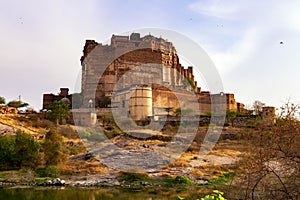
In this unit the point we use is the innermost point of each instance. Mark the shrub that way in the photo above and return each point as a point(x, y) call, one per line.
point(27, 151)
point(74, 150)
point(7, 152)
point(43, 124)
point(179, 180)
point(85, 134)
point(68, 132)
point(54, 148)
point(19, 151)
point(251, 123)
point(52, 171)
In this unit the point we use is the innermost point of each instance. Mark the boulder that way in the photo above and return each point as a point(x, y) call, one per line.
point(54, 182)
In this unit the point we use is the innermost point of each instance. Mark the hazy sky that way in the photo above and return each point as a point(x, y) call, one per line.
point(42, 41)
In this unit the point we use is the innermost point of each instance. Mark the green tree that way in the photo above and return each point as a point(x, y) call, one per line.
point(2, 100)
point(27, 150)
point(58, 111)
point(7, 152)
point(17, 104)
point(54, 148)
point(19, 151)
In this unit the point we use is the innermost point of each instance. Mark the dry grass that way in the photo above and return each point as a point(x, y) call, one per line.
point(197, 173)
point(226, 152)
point(15, 122)
point(167, 175)
point(212, 170)
point(82, 168)
point(183, 161)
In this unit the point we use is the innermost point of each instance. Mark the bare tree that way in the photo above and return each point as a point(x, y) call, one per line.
point(257, 107)
point(271, 167)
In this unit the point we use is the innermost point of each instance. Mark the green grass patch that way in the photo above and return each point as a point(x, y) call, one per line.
point(224, 178)
point(51, 171)
point(40, 180)
point(179, 180)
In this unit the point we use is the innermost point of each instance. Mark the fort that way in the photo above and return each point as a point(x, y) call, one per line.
point(141, 78)
point(144, 74)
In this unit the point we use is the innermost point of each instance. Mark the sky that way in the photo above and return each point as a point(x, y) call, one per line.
point(253, 44)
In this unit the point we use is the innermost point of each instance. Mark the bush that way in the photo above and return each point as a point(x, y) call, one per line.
point(51, 171)
point(68, 132)
point(27, 151)
point(43, 124)
point(74, 150)
point(179, 180)
point(18, 152)
point(54, 148)
point(33, 117)
point(7, 152)
point(182, 180)
point(85, 134)
point(252, 123)
point(113, 133)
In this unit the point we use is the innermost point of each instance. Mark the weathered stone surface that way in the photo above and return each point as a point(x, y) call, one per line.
point(7, 130)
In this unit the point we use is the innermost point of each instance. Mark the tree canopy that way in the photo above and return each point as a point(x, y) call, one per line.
point(18, 151)
point(17, 104)
point(2, 100)
point(58, 111)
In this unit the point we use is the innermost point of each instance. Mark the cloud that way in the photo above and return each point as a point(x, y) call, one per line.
point(215, 8)
point(253, 63)
point(240, 50)
point(244, 29)
point(41, 42)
